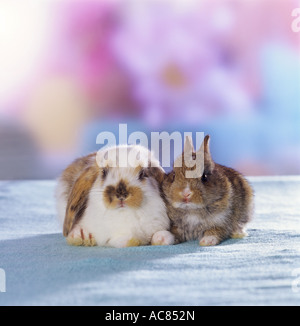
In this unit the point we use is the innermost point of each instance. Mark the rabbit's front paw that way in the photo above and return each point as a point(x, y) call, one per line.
point(124, 241)
point(209, 240)
point(239, 234)
point(79, 237)
point(161, 238)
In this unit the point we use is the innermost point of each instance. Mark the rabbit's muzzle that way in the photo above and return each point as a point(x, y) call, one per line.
point(123, 195)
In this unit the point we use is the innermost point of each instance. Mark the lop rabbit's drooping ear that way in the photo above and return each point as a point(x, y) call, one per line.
point(78, 198)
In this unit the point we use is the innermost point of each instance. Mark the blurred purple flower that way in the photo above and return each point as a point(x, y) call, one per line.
point(172, 51)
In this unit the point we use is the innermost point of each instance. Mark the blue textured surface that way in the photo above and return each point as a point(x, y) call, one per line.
point(41, 269)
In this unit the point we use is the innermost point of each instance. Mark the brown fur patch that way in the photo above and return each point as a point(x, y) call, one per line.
point(109, 194)
point(135, 197)
point(109, 197)
point(72, 172)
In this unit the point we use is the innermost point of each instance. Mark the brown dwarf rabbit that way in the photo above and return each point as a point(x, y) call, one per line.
point(214, 206)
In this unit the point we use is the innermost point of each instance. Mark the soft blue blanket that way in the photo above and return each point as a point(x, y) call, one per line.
point(37, 267)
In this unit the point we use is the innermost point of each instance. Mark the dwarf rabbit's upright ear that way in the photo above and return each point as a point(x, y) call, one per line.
point(208, 161)
point(188, 153)
point(78, 198)
point(206, 143)
point(188, 145)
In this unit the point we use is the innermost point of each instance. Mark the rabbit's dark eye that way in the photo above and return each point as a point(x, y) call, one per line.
point(143, 174)
point(104, 172)
point(204, 177)
point(172, 177)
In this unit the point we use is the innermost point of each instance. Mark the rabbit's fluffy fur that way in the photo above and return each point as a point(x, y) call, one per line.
point(102, 204)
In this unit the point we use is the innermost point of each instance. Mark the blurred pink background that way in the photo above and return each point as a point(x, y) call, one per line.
point(71, 69)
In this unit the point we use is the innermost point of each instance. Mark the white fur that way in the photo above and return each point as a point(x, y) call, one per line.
point(61, 201)
point(124, 156)
point(188, 205)
point(193, 220)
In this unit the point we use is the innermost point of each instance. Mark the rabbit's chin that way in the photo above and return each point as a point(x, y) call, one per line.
point(123, 207)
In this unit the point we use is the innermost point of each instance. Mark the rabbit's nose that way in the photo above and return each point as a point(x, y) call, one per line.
point(186, 197)
point(186, 193)
point(121, 191)
point(122, 196)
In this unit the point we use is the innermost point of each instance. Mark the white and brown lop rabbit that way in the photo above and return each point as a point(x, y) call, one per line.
point(106, 201)
point(214, 205)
